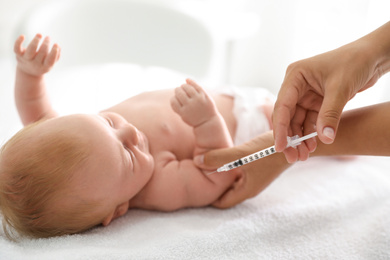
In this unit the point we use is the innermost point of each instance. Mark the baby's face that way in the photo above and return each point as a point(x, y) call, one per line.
point(119, 166)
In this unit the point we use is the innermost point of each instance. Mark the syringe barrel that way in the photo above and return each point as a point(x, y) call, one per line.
point(292, 142)
point(248, 159)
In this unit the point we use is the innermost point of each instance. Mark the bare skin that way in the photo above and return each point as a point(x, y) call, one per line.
point(315, 90)
point(355, 125)
point(142, 148)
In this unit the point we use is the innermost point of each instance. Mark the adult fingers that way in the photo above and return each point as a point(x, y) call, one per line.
point(329, 115)
point(233, 196)
point(285, 107)
point(309, 127)
point(216, 158)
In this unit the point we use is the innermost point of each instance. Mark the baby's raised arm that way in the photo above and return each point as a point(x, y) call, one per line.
point(31, 97)
point(179, 183)
point(198, 110)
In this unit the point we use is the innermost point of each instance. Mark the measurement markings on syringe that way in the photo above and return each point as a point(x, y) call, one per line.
point(291, 142)
point(252, 157)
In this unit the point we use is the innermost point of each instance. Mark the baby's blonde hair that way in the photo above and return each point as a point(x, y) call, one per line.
point(35, 175)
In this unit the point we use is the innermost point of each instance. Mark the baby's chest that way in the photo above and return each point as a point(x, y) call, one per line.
point(167, 133)
point(164, 129)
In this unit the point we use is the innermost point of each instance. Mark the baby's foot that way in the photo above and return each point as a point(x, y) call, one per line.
point(193, 104)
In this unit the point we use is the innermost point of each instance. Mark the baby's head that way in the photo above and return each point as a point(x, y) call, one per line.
point(68, 174)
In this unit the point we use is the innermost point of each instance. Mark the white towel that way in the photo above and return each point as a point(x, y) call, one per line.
point(318, 209)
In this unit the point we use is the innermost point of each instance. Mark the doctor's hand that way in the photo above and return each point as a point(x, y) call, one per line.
point(315, 90)
point(253, 177)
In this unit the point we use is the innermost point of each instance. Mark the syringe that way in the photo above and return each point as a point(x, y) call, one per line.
point(291, 142)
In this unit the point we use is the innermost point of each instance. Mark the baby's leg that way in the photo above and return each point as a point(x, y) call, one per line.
point(253, 109)
point(268, 108)
point(198, 110)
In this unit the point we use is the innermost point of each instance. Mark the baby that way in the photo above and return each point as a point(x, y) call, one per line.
point(63, 175)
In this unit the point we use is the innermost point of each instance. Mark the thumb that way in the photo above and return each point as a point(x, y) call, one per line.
point(329, 117)
point(233, 196)
point(216, 158)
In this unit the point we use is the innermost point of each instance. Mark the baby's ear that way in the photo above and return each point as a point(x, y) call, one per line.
point(107, 220)
point(119, 211)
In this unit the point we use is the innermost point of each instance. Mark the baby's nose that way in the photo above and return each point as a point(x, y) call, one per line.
point(129, 134)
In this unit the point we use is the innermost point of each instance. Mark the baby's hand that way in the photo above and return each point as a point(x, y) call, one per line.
point(193, 104)
point(34, 61)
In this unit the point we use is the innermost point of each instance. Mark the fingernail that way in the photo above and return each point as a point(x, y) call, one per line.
point(328, 132)
point(199, 159)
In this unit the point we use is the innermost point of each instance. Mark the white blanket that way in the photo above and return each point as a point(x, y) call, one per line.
point(319, 209)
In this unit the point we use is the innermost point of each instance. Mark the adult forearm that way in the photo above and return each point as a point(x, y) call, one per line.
point(362, 131)
point(378, 42)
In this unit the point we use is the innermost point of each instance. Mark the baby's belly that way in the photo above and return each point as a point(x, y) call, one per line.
point(174, 136)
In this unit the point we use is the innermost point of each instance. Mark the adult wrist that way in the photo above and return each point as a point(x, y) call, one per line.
point(379, 44)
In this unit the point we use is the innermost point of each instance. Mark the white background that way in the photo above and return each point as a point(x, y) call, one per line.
point(288, 31)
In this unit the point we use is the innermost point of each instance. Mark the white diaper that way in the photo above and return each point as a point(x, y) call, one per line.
point(248, 102)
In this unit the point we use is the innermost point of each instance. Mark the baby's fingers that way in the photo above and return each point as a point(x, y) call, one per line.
point(53, 56)
point(32, 47)
point(181, 96)
point(175, 104)
point(43, 50)
point(18, 45)
point(197, 87)
point(189, 90)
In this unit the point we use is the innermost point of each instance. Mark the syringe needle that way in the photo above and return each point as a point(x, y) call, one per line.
point(292, 142)
point(209, 173)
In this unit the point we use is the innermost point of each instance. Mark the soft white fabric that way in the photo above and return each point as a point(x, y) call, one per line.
point(318, 209)
point(248, 111)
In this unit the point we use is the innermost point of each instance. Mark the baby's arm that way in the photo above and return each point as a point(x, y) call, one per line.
point(198, 110)
point(31, 97)
point(180, 184)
